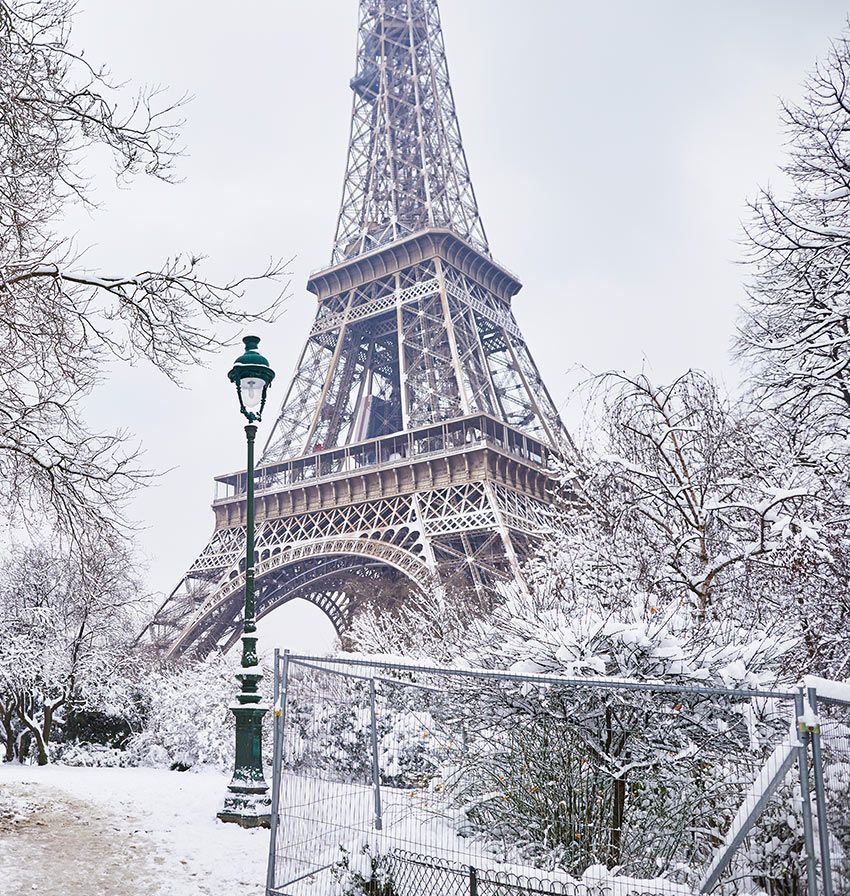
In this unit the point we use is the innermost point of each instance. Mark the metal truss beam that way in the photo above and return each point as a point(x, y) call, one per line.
point(406, 168)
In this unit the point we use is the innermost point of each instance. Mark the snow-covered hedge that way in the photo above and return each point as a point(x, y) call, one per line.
point(582, 774)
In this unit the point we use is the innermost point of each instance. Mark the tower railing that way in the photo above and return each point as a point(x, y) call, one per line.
point(452, 437)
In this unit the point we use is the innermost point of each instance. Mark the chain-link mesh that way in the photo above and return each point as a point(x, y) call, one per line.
point(406, 872)
point(397, 780)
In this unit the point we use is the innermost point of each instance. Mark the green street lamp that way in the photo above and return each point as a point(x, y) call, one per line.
point(247, 800)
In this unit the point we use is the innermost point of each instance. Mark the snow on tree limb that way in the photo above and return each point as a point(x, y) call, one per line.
point(796, 327)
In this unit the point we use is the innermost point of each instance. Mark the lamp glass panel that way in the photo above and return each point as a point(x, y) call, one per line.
point(252, 392)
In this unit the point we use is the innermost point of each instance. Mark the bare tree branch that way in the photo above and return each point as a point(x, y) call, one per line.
point(59, 322)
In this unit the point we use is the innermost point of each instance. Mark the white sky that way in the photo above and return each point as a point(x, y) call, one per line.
point(612, 146)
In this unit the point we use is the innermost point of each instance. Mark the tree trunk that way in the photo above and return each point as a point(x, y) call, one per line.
point(47, 723)
point(24, 739)
point(41, 746)
point(36, 737)
point(618, 815)
point(27, 717)
point(8, 733)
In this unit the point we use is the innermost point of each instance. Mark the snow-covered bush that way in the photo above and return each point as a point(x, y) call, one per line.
point(361, 873)
point(411, 744)
point(187, 719)
point(773, 855)
point(572, 776)
point(329, 730)
point(548, 631)
point(67, 617)
point(90, 755)
point(332, 736)
point(835, 725)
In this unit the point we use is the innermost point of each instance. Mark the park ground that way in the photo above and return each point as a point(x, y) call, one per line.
point(110, 831)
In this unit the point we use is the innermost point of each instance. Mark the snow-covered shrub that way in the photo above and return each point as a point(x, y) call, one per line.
point(92, 755)
point(329, 730)
point(329, 726)
point(361, 873)
point(773, 855)
point(108, 726)
point(187, 719)
point(549, 631)
point(577, 775)
point(835, 725)
point(588, 777)
point(410, 745)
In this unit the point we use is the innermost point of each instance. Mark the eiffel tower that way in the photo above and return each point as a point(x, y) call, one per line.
point(413, 444)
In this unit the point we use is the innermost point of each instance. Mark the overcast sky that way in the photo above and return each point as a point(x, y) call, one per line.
point(612, 146)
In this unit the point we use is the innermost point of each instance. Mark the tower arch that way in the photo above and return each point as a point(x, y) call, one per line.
point(337, 575)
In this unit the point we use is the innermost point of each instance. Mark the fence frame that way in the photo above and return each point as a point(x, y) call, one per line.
point(281, 683)
point(807, 727)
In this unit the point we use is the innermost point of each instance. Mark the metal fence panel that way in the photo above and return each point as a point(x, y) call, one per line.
point(833, 719)
point(397, 779)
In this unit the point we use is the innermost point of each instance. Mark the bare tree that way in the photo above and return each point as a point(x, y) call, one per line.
point(59, 322)
point(694, 493)
point(796, 331)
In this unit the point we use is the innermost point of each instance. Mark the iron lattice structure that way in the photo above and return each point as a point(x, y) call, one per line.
point(413, 445)
point(407, 168)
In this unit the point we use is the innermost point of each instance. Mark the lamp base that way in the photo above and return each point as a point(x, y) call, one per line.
point(247, 808)
point(247, 801)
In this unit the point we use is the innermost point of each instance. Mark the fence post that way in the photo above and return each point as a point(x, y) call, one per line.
point(376, 768)
point(281, 680)
point(473, 881)
point(805, 796)
point(820, 798)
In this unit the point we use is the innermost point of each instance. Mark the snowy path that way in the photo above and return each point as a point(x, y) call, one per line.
point(105, 832)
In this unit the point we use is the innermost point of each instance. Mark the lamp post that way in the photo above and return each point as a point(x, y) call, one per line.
point(247, 800)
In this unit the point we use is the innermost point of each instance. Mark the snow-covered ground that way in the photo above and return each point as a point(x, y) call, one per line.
point(107, 831)
point(110, 831)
